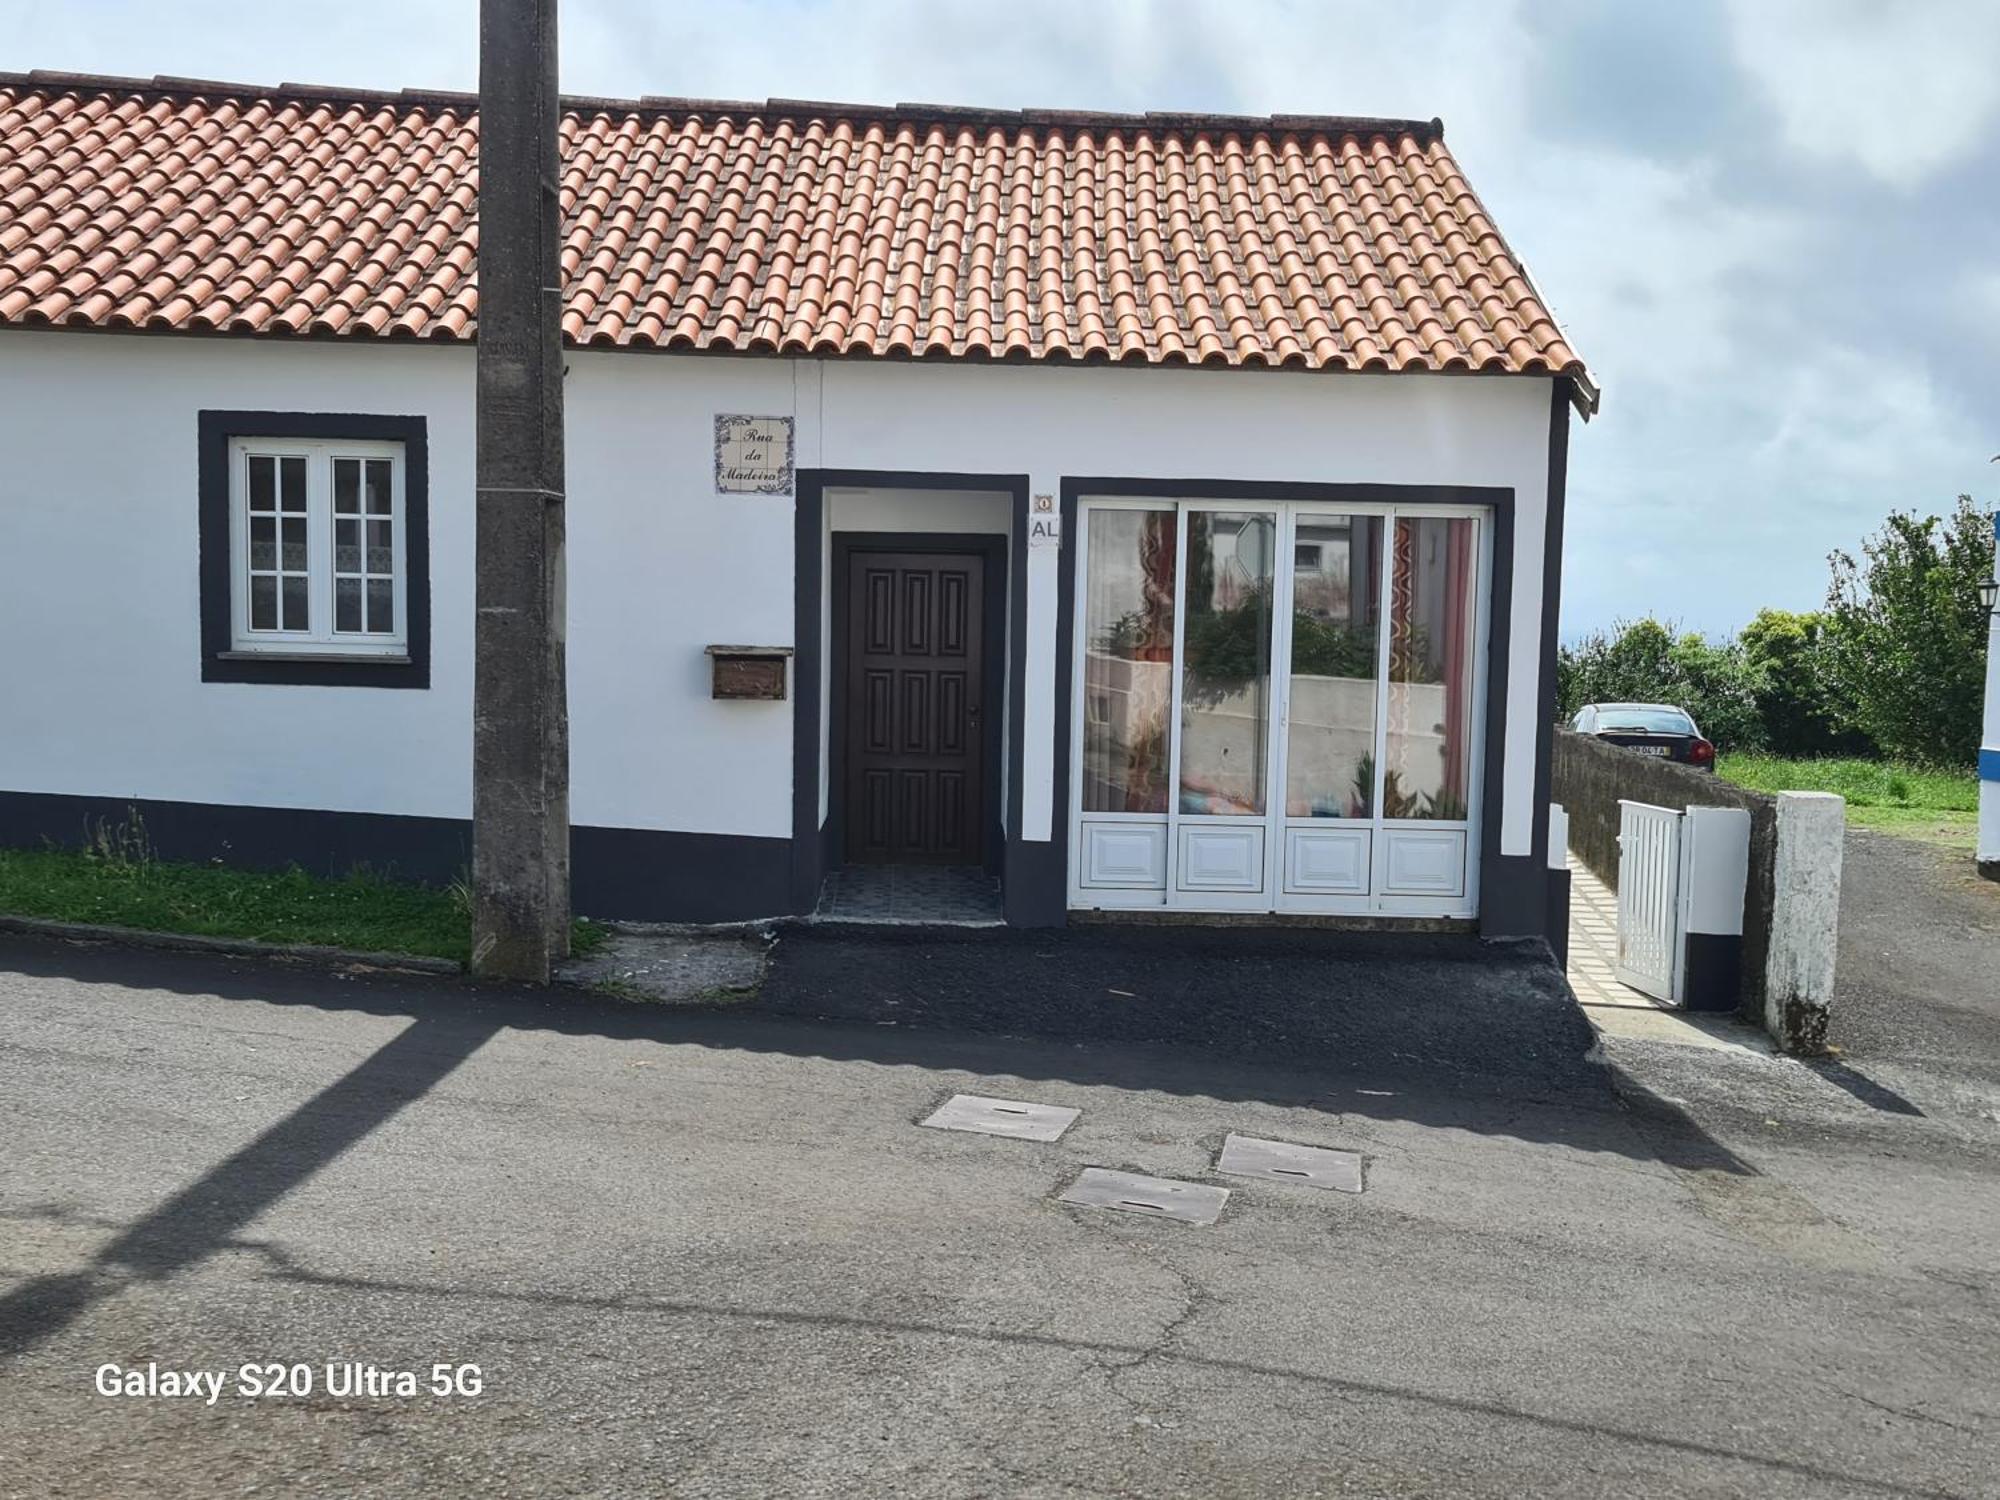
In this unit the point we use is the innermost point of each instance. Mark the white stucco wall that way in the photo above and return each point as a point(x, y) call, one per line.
point(99, 593)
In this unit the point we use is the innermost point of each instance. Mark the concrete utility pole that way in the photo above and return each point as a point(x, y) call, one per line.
point(520, 716)
point(1989, 739)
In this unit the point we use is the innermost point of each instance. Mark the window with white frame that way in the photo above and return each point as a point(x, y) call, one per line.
point(319, 555)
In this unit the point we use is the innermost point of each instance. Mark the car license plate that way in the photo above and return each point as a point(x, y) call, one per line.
point(1659, 750)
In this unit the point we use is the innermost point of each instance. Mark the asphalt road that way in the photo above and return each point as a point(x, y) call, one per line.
point(1917, 982)
point(710, 1254)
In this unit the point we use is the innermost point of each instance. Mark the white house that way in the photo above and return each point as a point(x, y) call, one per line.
point(1161, 512)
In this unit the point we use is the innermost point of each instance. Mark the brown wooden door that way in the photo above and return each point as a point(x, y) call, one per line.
point(914, 680)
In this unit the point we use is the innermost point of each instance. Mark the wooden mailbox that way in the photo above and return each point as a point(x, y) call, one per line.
point(748, 671)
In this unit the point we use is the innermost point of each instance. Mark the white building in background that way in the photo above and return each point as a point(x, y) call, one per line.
point(1989, 739)
point(1160, 512)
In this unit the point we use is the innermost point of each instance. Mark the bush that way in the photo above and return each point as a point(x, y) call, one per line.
point(1645, 661)
point(1785, 655)
point(1905, 643)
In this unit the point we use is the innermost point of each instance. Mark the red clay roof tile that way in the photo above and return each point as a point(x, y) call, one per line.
point(788, 227)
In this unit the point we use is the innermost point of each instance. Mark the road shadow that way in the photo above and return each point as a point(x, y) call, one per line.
point(1867, 1090)
point(208, 1215)
point(1459, 1038)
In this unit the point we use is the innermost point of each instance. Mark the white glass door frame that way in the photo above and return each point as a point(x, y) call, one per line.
point(1179, 822)
point(1275, 822)
point(1378, 901)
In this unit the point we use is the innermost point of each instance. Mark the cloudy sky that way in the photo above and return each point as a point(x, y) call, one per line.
point(1772, 227)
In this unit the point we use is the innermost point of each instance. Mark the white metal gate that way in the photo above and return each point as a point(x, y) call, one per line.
point(1649, 899)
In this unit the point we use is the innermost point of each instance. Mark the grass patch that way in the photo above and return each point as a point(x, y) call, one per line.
point(1940, 807)
point(117, 882)
point(1950, 830)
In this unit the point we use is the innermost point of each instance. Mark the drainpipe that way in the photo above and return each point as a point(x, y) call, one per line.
point(1989, 739)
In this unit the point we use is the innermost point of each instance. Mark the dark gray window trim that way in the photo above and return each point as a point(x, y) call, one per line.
point(220, 662)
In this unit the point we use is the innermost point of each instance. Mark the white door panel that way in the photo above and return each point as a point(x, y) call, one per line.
point(1327, 861)
point(1423, 861)
point(1221, 858)
point(1129, 855)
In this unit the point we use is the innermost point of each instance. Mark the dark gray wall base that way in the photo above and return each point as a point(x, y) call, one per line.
point(633, 874)
point(1558, 916)
point(431, 851)
point(651, 875)
point(1713, 977)
point(1514, 897)
point(1035, 889)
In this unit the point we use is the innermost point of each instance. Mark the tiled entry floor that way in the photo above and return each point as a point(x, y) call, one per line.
point(915, 894)
point(1617, 1010)
point(1593, 942)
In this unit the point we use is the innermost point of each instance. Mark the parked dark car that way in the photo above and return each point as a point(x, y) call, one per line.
point(1657, 729)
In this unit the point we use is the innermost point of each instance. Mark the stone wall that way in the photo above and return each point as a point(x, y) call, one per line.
point(1591, 777)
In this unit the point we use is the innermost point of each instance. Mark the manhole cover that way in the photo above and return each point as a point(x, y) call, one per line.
point(1011, 1117)
point(1281, 1161)
point(1161, 1197)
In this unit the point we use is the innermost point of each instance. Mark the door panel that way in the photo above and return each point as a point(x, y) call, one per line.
point(1132, 855)
point(1327, 861)
point(1423, 861)
point(1222, 857)
point(913, 781)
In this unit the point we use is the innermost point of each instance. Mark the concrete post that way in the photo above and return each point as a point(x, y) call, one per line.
point(520, 716)
point(1989, 741)
point(1805, 919)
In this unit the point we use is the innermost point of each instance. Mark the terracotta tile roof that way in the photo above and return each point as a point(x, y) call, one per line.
point(787, 227)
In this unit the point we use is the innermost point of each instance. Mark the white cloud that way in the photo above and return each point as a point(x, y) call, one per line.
point(1904, 90)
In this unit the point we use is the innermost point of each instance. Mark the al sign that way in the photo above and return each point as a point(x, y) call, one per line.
point(1044, 522)
point(753, 455)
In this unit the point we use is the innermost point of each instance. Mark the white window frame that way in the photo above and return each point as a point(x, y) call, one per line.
point(1375, 901)
point(320, 641)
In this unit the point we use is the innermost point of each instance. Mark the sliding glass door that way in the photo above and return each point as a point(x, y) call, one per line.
point(1278, 706)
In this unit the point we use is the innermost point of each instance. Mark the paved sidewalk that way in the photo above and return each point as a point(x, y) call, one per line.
point(1593, 942)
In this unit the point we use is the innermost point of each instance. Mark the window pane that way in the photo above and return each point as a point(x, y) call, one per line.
point(264, 603)
point(1128, 660)
point(293, 473)
point(347, 604)
point(263, 483)
point(295, 545)
point(381, 550)
point(381, 604)
point(346, 485)
point(347, 546)
point(1436, 573)
point(379, 493)
point(1336, 637)
point(295, 603)
point(263, 544)
point(1226, 671)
